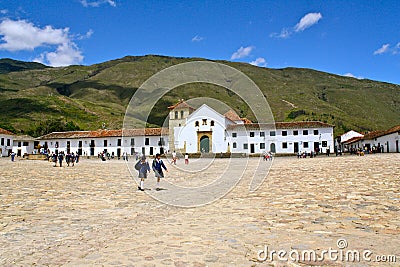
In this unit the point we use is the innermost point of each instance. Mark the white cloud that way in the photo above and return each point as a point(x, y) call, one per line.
point(3, 11)
point(260, 62)
point(352, 75)
point(197, 39)
point(396, 49)
point(65, 55)
point(382, 50)
point(18, 35)
point(285, 33)
point(86, 35)
point(242, 52)
point(98, 3)
point(22, 35)
point(307, 21)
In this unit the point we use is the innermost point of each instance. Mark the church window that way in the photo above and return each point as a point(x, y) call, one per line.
point(196, 124)
point(176, 115)
point(204, 122)
point(212, 123)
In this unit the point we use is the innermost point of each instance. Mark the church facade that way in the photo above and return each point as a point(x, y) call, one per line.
point(206, 131)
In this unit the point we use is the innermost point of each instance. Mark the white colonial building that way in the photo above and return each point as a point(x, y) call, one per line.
point(147, 141)
point(23, 145)
point(6, 142)
point(385, 141)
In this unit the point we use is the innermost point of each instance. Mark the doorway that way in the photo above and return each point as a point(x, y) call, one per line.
point(272, 148)
point(205, 144)
point(296, 147)
point(252, 150)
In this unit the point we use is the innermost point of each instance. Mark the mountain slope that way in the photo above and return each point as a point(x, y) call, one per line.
point(91, 95)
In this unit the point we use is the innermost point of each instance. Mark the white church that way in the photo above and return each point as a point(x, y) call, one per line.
point(204, 130)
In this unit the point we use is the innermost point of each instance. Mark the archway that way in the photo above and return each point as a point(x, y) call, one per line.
point(205, 144)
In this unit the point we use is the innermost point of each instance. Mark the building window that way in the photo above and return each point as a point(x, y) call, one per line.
point(305, 144)
point(262, 134)
point(182, 114)
point(196, 124)
point(25, 144)
point(19, 144)
point(105, 143)
point(212, 123)
point(251, 134)
point(132, 141)
point(161, 142)
point(324, 143)
point(272, 133)
point(119, 142)
point(147, 141)
point(305, 132)
point(284, 133)
point(245, 146)
point(8, 142)
point(234, 135)
point(295, 132)
point(316, 132)
point(176, 115)
point(2, 141)
point(284, 145)
point(234, 145)
point(262, 145)
point(204, 122)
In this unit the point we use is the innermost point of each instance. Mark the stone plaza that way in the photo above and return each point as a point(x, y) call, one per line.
point(92, 214)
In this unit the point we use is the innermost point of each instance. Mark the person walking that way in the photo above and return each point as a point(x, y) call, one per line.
point(186, 158)
point(54, 159)
point(158, 166)
point(142, 166)
point(174, 158)
point(60, 158)
point(13, 156)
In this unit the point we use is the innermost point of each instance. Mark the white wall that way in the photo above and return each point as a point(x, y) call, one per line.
point(6, 143)
point(112, 145)
point(20, 147)
point(392, 140)
point(350, 134)
point(324, 137)
point(188, 134)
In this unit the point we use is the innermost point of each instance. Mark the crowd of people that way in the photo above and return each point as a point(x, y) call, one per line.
point(58, 157)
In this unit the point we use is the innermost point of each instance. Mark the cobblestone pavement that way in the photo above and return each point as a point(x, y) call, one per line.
point(92, 214)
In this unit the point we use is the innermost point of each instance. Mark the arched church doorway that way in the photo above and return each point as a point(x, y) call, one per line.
point(205, 144)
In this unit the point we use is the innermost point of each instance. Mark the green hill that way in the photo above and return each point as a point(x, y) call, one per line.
point(31, 93)
point(9, 65)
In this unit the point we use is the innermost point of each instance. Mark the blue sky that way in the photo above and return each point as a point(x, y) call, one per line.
point(352, 38)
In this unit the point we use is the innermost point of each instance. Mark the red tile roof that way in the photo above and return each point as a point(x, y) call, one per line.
point(393, 130)
point(246, 120)
point(373, 135)
point(2, 131)
point(352, 140)
point(232, 115)
point(106, 133)
point(181, 104)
